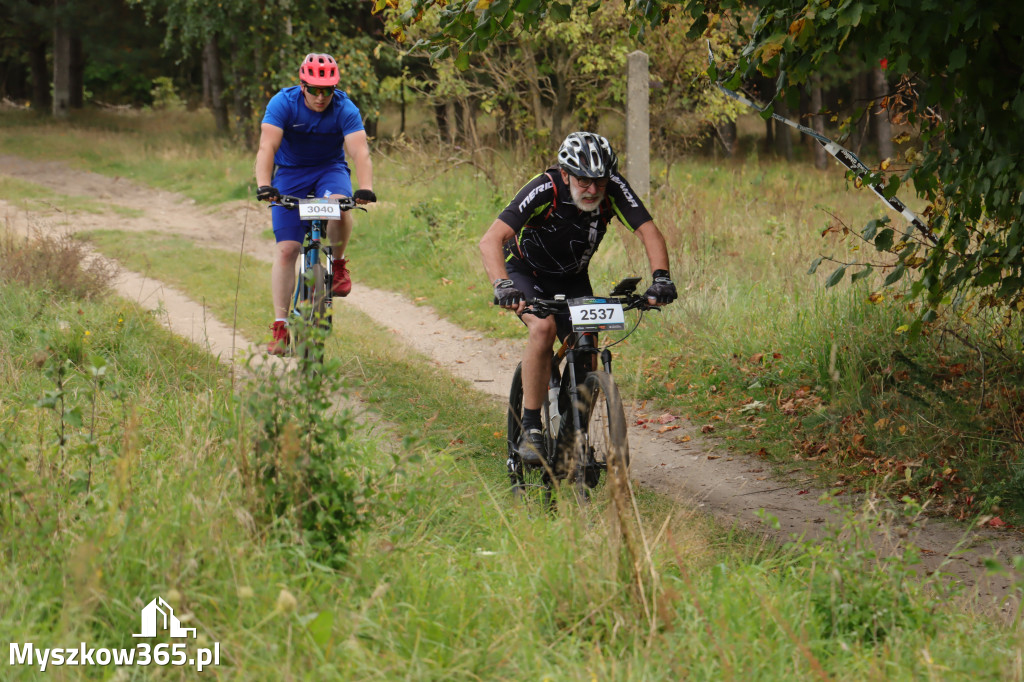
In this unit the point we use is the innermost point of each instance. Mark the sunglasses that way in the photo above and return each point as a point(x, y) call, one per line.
point(585, 183)
point(318, 92)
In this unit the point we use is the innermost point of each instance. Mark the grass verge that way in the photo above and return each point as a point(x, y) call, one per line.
point(455, 582)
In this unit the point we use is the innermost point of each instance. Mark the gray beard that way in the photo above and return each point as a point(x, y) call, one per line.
point(576, 193)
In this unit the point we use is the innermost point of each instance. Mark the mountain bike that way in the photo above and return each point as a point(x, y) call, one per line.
point(311, 312)
point(583, 419)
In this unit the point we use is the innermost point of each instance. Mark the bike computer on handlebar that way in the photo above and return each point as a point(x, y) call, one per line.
point(626, 286)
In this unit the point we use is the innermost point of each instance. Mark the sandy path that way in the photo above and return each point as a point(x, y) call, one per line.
point(698, 472)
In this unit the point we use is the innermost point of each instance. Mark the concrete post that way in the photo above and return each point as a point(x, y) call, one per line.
point(638, 123)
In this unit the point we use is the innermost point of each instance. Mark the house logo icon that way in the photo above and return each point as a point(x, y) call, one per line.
point(159, 611)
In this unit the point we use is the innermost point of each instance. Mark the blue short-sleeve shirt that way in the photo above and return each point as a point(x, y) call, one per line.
point(311, 138)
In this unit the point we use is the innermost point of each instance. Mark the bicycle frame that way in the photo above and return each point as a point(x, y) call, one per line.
point(312, 247)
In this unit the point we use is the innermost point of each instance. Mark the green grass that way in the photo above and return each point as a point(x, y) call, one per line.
point(175, 151)
point(452, 582)
point(37, 198)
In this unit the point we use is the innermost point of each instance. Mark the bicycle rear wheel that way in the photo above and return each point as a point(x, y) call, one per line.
point(525, 481)
point(604, 422)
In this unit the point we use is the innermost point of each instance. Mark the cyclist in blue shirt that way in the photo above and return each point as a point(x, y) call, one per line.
point(306, 132)
point(541, 244)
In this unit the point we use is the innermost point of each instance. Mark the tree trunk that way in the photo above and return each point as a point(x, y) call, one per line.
point(817, 123)
point(61, 64)
point(726, 133)
point(76, 74)
point(401, 93)
point(880, 116)
point(441, 118)
point(213, 82)
point(534, 80)
point(860, 99)
point(40, 77)
point(244, 129)
point(783, 140)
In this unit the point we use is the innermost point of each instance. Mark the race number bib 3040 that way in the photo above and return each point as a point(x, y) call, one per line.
point(319, 209)
point(591, 314)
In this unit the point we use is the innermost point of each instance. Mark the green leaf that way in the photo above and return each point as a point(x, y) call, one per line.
point(891, 187)
point(560, 12)
point(871, 229)
point(988, 276)
point(74, 416)
point(320, 628)
point(857, 276)
point(835, 277)
point(957, 59)
point(895, 275)
point(698, 27)
point(462, 61)
point(814, 265)
point(883, 242)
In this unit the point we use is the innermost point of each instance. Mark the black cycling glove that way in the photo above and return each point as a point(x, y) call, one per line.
point(366, 195)
point(267, 193)
point(506, 294)
point(663, 290)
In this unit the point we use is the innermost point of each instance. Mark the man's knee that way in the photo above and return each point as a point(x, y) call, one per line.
point(543, 330)
point(288, 251)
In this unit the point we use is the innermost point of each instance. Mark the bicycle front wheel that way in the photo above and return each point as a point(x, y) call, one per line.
point(604, 422)
point(314, 311)
point(319, 319)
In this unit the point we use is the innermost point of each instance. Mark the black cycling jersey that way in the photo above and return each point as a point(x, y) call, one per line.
point(556, 238)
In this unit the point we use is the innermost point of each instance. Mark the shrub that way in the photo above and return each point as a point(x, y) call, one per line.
point(61, 265)
point(304, 471)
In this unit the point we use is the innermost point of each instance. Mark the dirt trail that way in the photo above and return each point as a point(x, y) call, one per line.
point(698, 472)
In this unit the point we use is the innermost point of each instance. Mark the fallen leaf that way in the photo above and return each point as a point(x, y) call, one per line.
point(714, 456)
point(803, 492)
point(666, 418)
point(683, 439)
point(707, 428)
point(669, 427)
point(445, 281)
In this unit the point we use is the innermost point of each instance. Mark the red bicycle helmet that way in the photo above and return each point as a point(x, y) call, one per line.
point(319, 70)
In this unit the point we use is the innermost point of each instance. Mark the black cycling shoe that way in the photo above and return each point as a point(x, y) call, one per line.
point(531, 445)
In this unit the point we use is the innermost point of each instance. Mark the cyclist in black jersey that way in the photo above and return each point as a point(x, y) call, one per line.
point(541, 245)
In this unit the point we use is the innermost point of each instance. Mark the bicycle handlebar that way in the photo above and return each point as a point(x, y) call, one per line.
point(290, 202)
point(542, 307)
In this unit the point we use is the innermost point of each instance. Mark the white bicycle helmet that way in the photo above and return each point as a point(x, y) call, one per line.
point(587, 155)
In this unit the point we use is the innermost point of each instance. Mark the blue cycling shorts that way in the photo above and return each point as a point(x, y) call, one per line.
point(300, 182)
